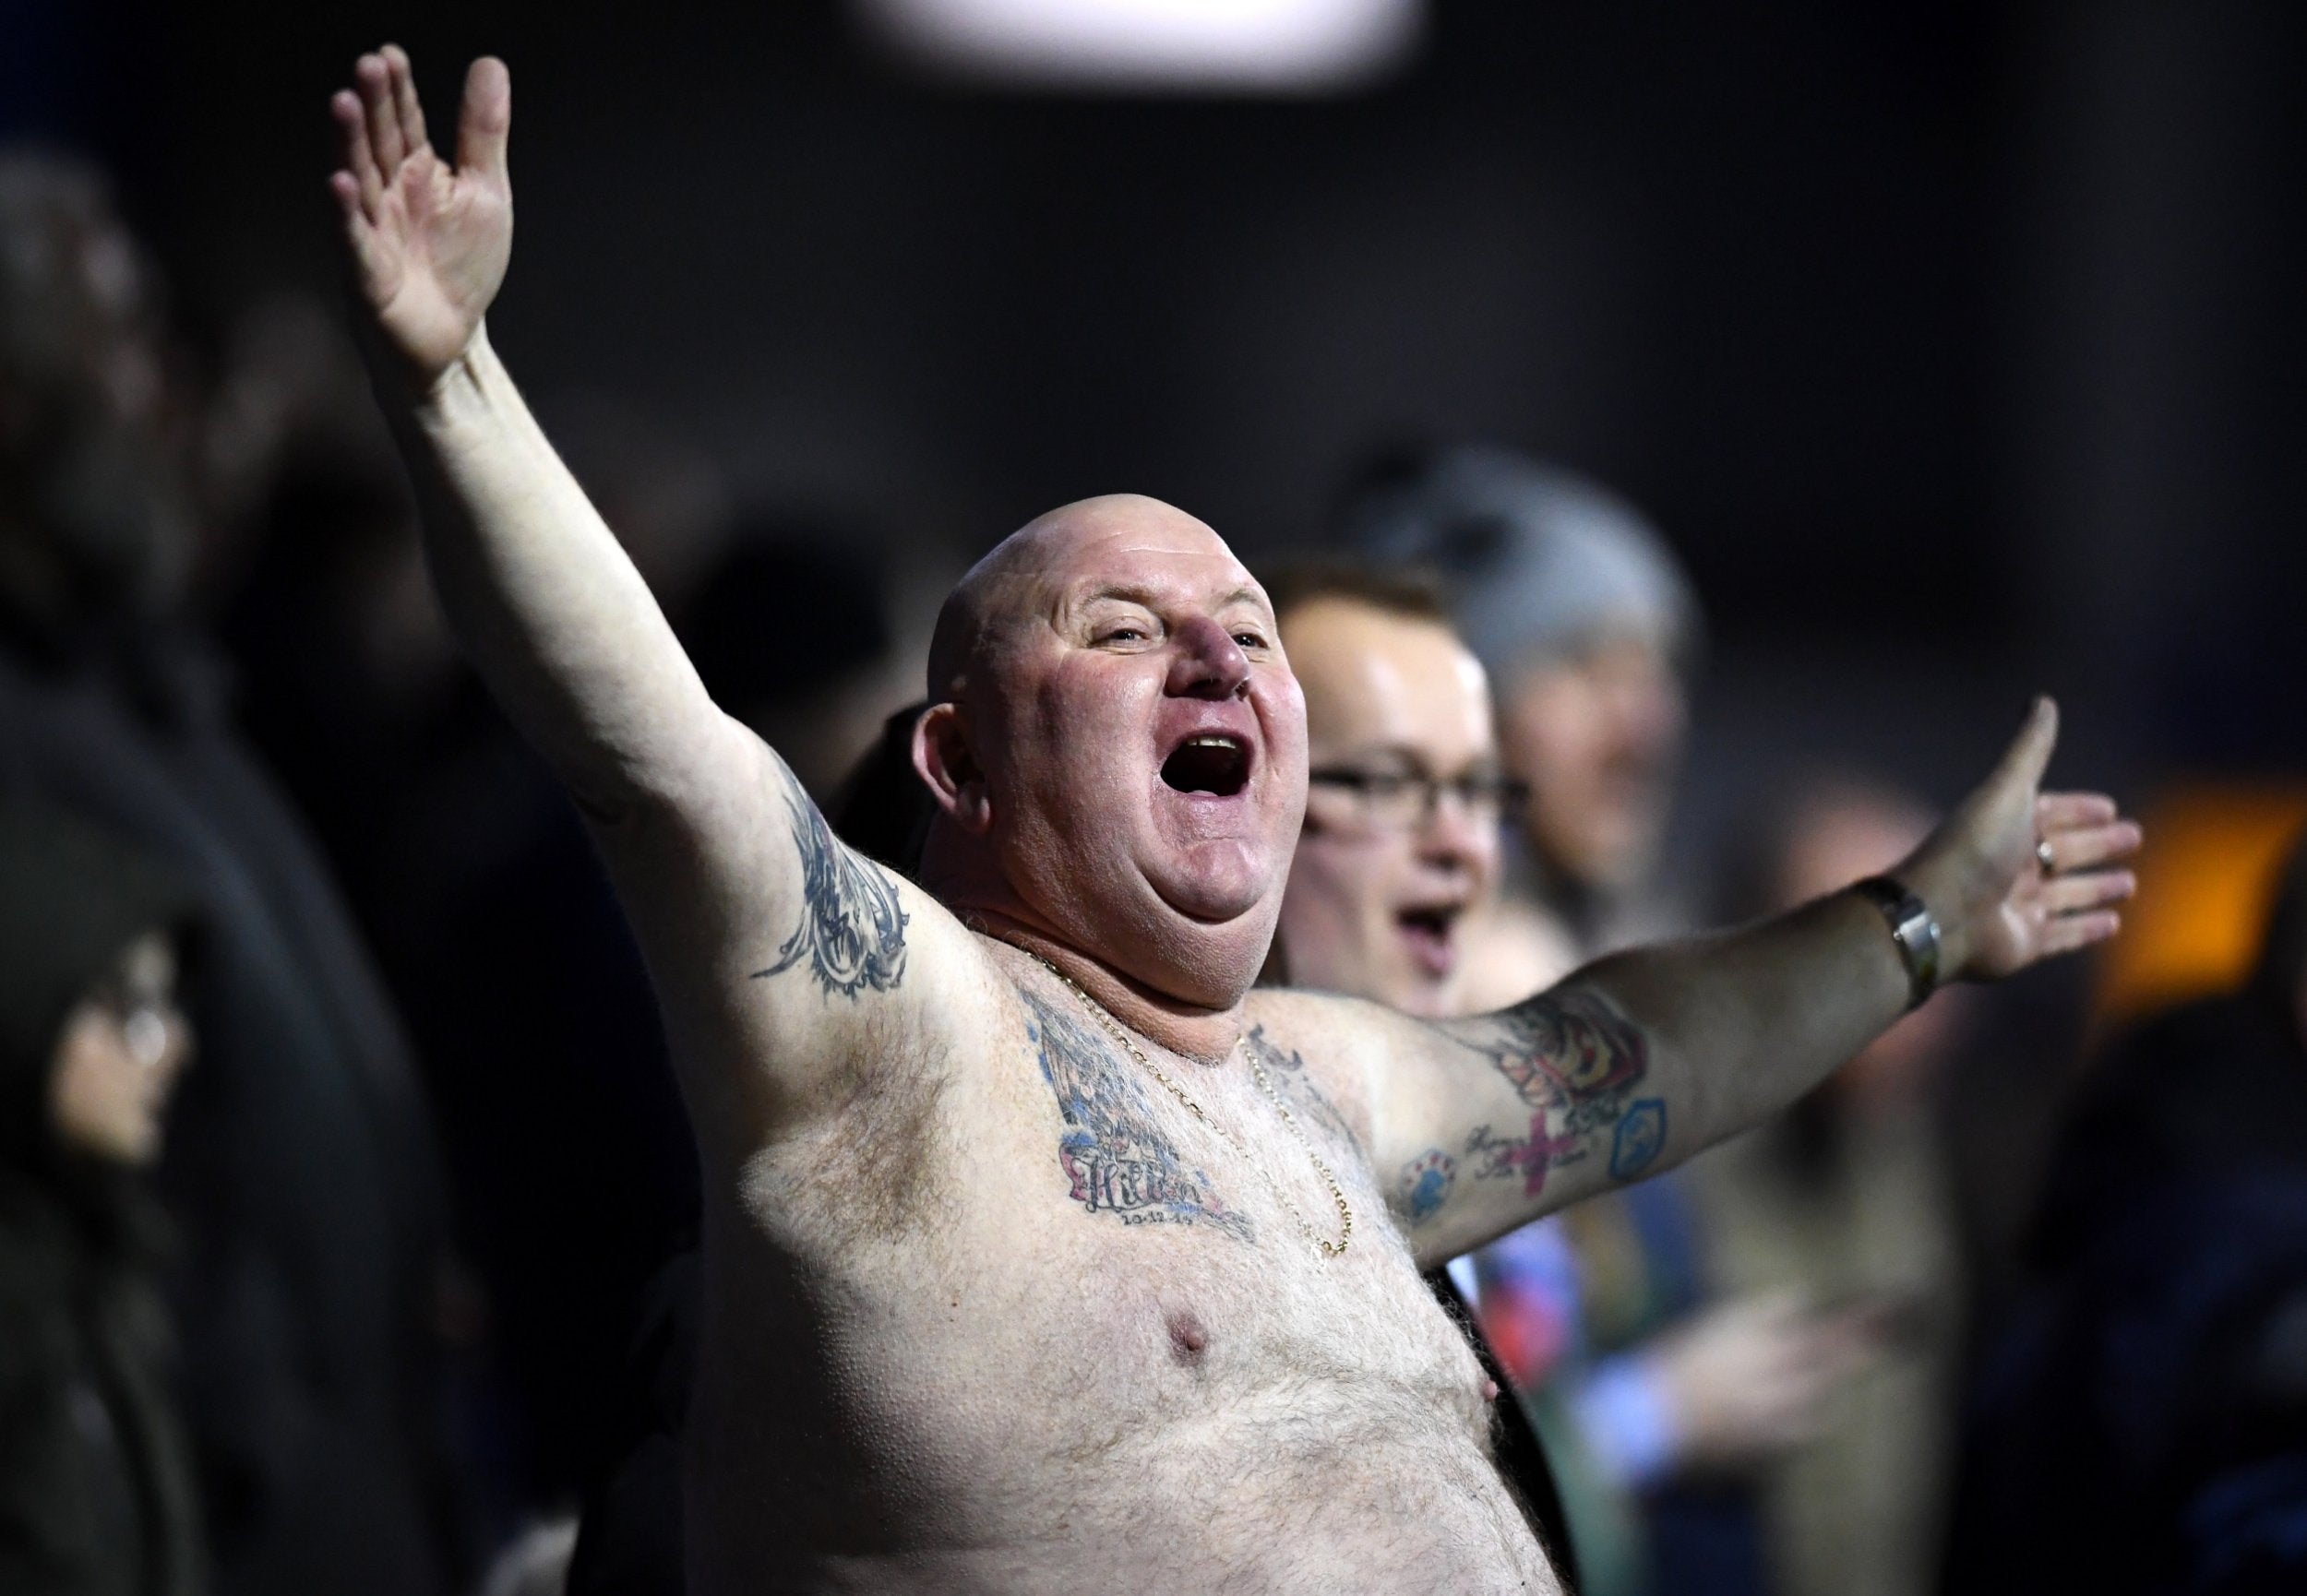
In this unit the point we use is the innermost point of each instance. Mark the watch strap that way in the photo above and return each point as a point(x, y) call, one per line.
point(1912, 928)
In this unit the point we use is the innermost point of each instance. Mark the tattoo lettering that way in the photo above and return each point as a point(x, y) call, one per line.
point(1498, 1158)
point(1641, 1135)
point(852, 927)
point(1425, 1183)
point(1286, 1070)
point(1116, 1156)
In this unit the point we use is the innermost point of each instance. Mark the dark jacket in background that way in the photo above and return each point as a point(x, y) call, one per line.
point(300, 1167)
point(96, 1494)
point(2143, 1426)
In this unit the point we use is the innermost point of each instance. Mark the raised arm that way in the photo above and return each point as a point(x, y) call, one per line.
point(752, 915)
point(1641, 1059)
point(539, 590)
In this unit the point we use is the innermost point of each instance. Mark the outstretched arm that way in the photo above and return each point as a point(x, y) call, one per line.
point(751, 913)
point(1639, 1060)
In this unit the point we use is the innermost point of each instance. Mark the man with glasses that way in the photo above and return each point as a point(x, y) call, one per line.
point(1405, 795)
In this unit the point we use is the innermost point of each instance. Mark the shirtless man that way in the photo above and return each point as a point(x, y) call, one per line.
point(1040, 1252)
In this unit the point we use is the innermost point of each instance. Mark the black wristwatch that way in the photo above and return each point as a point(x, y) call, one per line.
point(1912, 928)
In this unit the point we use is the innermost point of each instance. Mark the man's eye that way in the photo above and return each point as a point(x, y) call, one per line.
point(1248, 640)
point(1124, 635)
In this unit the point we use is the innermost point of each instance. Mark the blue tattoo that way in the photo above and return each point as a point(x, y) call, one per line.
point(1425, 1183)
point(1116, 1156)
point(1642, 1132)
point(852, 933)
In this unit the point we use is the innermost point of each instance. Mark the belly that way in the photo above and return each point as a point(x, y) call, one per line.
point(1337, 1493)
point(1318, 1428)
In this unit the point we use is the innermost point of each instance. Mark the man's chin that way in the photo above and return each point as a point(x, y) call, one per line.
point(1217, 884)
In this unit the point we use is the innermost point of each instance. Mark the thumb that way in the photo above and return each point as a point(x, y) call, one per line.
point(486, 119)
point(2029, 753)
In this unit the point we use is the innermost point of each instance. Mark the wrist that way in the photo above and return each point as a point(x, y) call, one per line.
point(459, 389)
point(1913, 930)
point(1939, 888)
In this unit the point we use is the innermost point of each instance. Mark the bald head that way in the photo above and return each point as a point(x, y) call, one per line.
point(1016, 581)
point(1116, 746)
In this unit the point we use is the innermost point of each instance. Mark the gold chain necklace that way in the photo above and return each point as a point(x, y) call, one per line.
point(1114, 1028)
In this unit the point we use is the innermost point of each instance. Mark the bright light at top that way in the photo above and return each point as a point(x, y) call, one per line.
point(1285, 46)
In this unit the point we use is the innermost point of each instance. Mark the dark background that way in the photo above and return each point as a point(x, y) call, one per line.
point(1965, 338)
point(1958, 349)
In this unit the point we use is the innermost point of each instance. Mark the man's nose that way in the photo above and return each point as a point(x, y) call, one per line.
point(1454, 833)
point(1205, 661)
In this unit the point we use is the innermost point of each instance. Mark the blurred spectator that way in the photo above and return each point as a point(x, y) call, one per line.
point(1841, 1211)
point(299, 1164)
point(2142, 1427)
point(1644, 1385)
point(96, 1489)
point(1586, 625)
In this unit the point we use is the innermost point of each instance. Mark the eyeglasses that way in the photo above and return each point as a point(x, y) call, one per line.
point(1400, 799)
point(144, 1019)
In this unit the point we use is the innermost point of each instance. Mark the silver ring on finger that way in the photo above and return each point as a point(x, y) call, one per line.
point(2046, 858)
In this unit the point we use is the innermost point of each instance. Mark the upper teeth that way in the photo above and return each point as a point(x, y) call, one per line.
point(1212, 743)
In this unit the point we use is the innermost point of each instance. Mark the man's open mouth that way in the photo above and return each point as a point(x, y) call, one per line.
point(1213, 762)
point(1430, 931)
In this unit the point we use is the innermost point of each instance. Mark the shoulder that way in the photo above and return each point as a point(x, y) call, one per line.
point(1340, 1046)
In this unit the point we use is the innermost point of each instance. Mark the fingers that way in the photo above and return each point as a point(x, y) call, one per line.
point(406, 109)
point(359, 158)
point(2079, 893)
point(486, 119)
point(372, 78)
point(2059, 811)
point(2069, 932)
point(2081, 848)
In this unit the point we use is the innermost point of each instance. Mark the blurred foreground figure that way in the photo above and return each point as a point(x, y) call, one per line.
point(1040, 1252)
point(299, 1163)
point(2142, 1427)
point(1838, 1217)
point(96, 1490)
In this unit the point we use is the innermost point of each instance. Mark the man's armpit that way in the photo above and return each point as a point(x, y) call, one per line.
point(851, 932)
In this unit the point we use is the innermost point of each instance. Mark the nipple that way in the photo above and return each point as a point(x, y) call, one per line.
point(1489, 1390)
point(1188, 1340)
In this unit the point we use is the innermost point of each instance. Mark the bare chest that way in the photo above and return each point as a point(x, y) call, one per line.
point(1106, 1301)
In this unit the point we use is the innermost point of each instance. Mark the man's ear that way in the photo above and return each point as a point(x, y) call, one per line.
point(942, 755)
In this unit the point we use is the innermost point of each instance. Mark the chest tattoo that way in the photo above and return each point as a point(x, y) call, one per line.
point(1114, 1155)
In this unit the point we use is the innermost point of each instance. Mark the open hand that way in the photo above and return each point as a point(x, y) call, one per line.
point(2016, 875)
point(1751, 1378)
point(429, 242)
